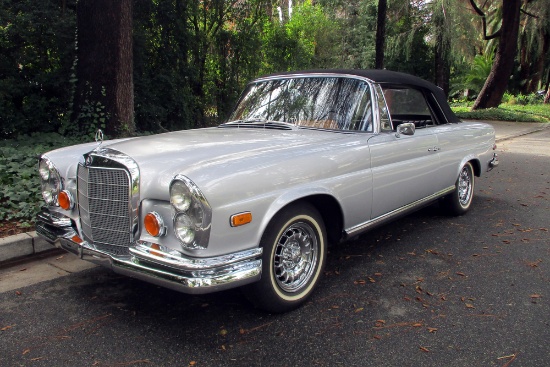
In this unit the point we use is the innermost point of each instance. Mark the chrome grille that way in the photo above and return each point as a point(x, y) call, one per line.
point(104, 206)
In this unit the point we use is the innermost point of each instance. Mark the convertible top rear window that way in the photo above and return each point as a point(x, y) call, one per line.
point(318, 102)
point(408, 105)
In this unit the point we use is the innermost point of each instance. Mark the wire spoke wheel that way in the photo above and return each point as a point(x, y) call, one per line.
point(295, 257)
point(294, 253)
point(465, 186)
point(460, 200)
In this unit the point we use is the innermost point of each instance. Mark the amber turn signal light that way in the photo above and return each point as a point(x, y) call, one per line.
point(153, 224)
point(156, 246)
point(241, 219)
point(65, 200)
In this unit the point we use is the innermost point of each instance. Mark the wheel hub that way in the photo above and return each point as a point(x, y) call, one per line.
point(292, 253)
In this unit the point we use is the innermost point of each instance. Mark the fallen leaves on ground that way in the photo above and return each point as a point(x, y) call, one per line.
point(137, 361)
point(534, 264)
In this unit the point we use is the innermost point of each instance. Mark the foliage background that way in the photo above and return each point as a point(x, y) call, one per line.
point(193, 57)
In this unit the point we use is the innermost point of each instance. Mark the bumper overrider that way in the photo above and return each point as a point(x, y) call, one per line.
point(493, 162)
point(169, 270)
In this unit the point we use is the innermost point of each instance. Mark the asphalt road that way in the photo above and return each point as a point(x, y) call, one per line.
point(427, 290)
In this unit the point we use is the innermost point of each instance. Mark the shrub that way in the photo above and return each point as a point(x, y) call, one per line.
point(20, 193)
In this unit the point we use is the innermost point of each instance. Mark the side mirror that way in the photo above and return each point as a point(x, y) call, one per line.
point(406, 128)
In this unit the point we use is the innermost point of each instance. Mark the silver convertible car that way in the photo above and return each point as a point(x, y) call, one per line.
point(304, 160)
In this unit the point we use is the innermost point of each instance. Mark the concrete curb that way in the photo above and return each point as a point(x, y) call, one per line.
point(506, 130)
point(21, 246)
point(26, 245)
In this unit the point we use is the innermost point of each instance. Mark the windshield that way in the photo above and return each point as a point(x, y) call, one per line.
point(319, 102)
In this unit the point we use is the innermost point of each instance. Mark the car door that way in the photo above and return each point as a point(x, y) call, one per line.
point(404, 168)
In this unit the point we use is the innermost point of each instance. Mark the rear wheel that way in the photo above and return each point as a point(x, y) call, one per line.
point(460, 200)
point(294, 251)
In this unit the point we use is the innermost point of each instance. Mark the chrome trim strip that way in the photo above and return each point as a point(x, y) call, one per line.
point(311, 75)
point(178, 261)
point(355, 230)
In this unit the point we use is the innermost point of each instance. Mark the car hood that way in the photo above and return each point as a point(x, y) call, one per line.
point(208, 155)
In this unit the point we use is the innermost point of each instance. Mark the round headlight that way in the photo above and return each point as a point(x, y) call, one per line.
point(180, 197)
point(48, 197)
point(193, 214)
point(44, 170)
point(184, 228)
point(50, 181)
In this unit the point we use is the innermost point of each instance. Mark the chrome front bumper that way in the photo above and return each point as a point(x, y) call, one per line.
point(169, 270)
point(493, 162)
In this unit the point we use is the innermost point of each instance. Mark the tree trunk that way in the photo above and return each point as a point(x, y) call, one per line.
point(380, 34)
point(538, 67)
point(547, 97)
point(442, 71)
point(442, 50)
point(495, 85)
point(104, 96)
point(524, 66)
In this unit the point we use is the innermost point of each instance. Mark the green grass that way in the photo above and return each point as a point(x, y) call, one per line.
point(506, 112)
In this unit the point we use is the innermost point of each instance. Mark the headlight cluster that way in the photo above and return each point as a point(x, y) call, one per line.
point(193, 213)
point(50, 180)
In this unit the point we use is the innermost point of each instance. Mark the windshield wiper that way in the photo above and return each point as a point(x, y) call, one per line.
point(259, 123)
point(260, 120)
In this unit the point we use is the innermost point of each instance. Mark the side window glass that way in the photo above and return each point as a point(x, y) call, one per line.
point(408, 105)
point(385, 122)
point(361, 118)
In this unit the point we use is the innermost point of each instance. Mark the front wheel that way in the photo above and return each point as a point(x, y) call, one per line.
point(460, 200)
point(294, 252)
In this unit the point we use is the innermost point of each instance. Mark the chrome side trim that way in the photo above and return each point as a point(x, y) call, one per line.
point(356, 230)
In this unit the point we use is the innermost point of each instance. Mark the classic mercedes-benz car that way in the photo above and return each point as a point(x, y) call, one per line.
point(305, 159)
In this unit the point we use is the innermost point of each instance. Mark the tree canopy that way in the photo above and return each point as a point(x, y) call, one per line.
point(190, 59)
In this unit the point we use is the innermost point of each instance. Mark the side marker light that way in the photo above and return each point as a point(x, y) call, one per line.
point(240, 219)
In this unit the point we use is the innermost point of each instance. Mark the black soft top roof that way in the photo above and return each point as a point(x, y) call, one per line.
point(386, 77)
